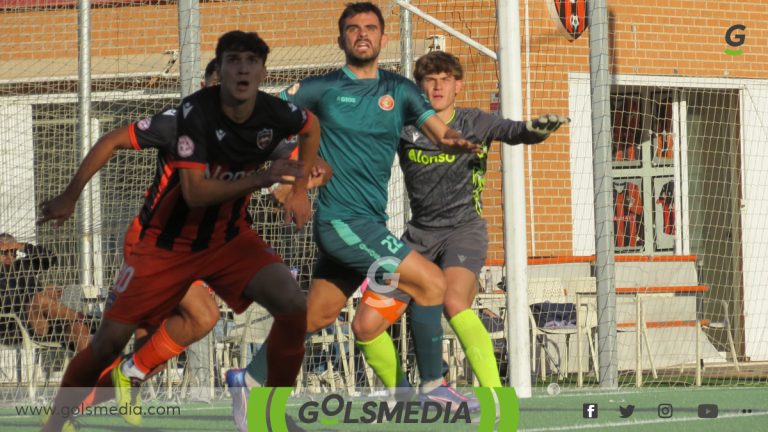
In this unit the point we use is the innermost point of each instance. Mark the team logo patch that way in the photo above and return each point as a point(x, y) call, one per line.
point(569, 16)
point(292, 90)
point(386, 103)
point(171, 112)
point(185, 147)
point(220, 134)
point(264, 138)
point(144, 123)
point(186, 108)
point(123, 279)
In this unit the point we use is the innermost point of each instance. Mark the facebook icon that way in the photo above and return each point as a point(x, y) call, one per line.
point(589, 410)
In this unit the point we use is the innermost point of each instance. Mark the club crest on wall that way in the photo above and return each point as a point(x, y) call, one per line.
point(569, 16)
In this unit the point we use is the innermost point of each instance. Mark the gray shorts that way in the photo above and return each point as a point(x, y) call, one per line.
point(463, 246)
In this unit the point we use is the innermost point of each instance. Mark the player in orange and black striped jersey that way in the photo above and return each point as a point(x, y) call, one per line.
point(224, 152)
point(193, 225)
point(197, 307)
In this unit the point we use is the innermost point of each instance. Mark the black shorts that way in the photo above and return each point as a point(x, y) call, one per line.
point(465, 245)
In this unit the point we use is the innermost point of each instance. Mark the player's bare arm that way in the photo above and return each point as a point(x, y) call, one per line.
point(439, 133)
point(297, 208)
point(61, 207)
point(199, 191)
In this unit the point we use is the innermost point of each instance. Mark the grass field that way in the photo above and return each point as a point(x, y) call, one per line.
point(539, 413)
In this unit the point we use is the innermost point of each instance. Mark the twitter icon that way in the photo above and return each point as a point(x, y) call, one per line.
point(626, 411)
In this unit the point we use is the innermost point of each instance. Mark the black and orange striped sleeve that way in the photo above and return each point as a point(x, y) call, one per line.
point(157, 131)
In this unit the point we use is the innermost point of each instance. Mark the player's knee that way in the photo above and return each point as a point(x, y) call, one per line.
point(293, 302)
point(201, 316)
point(362, 331)
point(366, 330)
point(319, 321)
point(296, 303)
point(454, 305)
point(434, 289)
point(206, 321)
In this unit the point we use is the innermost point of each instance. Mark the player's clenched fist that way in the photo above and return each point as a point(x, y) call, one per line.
point(59, 208)
point(284, 171)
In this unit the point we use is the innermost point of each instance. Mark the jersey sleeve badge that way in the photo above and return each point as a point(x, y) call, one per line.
point(144, 123)
point(185, 147)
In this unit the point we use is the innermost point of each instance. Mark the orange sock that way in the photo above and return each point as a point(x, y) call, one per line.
point(158, 349)
point(98, 394)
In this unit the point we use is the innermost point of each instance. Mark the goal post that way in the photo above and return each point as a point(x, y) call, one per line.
point(513, 168)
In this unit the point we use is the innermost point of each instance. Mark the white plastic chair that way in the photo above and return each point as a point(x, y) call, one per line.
point(31, 350)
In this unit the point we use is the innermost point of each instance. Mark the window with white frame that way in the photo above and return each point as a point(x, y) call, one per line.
point(643, 158)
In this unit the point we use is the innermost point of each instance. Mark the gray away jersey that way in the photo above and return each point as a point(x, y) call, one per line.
point(444, 189)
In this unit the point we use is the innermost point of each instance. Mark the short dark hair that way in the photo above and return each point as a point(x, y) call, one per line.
point(437, 62)
point(241, 41)
point(353, 9)
point(210, 68)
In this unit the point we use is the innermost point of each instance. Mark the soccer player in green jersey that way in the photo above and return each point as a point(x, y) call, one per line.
point(362, 110)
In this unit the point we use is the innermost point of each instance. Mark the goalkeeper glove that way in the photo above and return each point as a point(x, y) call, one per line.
point(546, 124)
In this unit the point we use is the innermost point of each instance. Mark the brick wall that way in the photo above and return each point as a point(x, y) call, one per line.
point(649, 37)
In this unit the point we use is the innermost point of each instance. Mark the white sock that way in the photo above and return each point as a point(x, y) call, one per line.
point(129, 369)
point(250, 381)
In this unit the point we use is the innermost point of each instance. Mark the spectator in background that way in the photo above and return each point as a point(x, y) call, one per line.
point(40, 309)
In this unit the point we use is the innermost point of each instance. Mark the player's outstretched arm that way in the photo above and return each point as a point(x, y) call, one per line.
point(297, 208)
point(61, 207)
point(492, 128)
point(199, 191)
point(440, 134)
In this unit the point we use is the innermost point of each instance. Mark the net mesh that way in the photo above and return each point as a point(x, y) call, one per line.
point(688, 188)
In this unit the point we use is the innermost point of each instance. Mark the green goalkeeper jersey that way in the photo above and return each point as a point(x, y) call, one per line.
point(361, 121)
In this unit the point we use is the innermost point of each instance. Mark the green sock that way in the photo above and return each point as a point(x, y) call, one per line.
point(257, 368)
point(381, 355)
point(427, 333)
point(477, 346)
